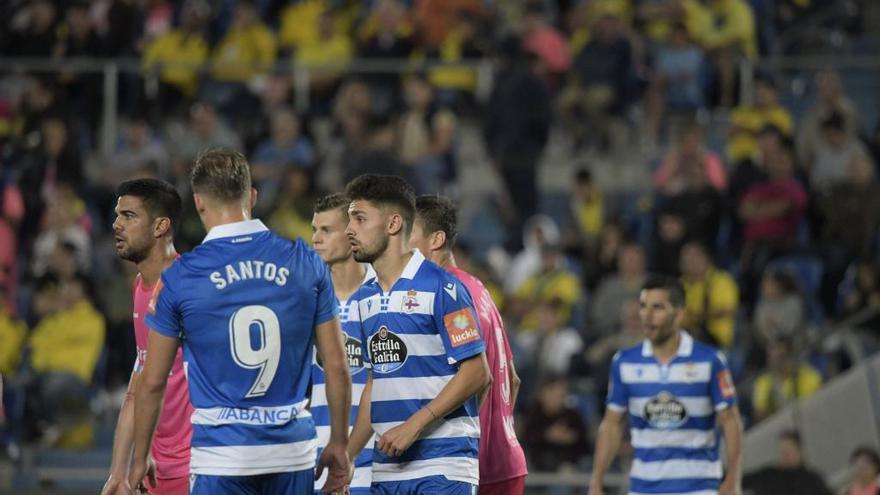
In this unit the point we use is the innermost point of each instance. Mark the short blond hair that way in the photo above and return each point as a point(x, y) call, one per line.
point(222, 174)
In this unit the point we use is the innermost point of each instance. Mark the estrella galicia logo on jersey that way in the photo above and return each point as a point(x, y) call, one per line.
point(387, 351)
point(355, 354)
point(665, 411)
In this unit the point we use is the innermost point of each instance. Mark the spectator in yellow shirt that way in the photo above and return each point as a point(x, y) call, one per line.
point(732, 25)
point(711, 297)
point(325, 57)
point(553, 283)
point(176, 57)
point(748, 120)
point(786, 380)
point(12, 335)
point(248, 49)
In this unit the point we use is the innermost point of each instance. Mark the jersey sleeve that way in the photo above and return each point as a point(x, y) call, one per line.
point(163, 312)
point(617, 396)
point(327, 308)
point(456, 321)
point(723, 390)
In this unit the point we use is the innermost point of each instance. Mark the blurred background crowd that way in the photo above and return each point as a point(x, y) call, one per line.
point(733, 143)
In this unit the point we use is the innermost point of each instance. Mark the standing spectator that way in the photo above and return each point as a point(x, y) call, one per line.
point(516, 129)
point(866, 471)
point(729, 35)
point(544, 40)
point(711, 297)
point(789, 476)
point(555, 433)
point(617, 289)
point(786, 379)
point(688, 158)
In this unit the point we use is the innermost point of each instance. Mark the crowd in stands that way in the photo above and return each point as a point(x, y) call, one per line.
point(771, 222)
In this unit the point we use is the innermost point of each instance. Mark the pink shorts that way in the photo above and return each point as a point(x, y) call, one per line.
point(170, 486)
point(513, 486)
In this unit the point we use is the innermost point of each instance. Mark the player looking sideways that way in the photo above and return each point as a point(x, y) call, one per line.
point(502, 461)
point(426, 357)
point(147, 210)
point(676, 392)
point(248, 306)
point(330, 242)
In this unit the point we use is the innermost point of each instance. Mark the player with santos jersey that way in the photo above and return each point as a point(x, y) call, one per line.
point(330, 242)
point(502, 461)
point(674, 390)
point(248, 306)
point(424, 351)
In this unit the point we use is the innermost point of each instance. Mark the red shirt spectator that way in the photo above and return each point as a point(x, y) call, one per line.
point(773, 209)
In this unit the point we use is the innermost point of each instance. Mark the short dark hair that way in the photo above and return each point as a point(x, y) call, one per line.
point(438, 213)
point(332, 201)
point(670, 284)
point(221, 173)
point(868, 453)
point(160, 198)
point(385, 190)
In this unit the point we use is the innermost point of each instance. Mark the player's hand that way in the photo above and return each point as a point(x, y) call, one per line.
point(142, 471)
point(596, 489)
point(339, 468)
point(395, 441)
point(116, 485)
point(729, 487)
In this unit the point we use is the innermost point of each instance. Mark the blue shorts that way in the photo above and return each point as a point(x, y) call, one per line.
point(351, 491)
point(294, 483)
point(431, 485)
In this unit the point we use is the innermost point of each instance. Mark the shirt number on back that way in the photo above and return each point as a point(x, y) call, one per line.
point(262, 353)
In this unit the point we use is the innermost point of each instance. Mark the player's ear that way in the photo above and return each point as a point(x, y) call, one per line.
point(162, 226)
point(438, 239)
point(253, 198)
point(199, 202)
point(395, 223)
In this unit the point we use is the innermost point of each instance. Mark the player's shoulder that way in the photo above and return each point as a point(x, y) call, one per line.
point(468, 279)
point(705, 352)
point(631, 354)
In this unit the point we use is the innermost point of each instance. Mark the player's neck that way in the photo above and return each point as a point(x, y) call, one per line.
point(391, 264)
point(222, 215)
point(445, 259)
point(667, 350)
point(160, 258)
point(347, 277)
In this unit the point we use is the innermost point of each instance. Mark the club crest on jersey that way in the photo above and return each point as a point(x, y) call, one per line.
point(410, 301)
point(461, 327)
point(387, 351)
point(665, 411)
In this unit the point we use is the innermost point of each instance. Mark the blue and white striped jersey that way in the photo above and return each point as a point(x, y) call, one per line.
point(355, 352)
point(672, 415)
point(245, 304)
point(416, 334)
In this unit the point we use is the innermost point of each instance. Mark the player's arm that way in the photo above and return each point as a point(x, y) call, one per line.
point(515, 382)
point(363, 425)
point(471, 377)
point(122, 442)
point(607, 445)
point(328, 339)
point(148, 399)
point(732, 429)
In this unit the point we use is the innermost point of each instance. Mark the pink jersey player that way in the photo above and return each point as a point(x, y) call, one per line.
point(502, 461)
point(172, 439)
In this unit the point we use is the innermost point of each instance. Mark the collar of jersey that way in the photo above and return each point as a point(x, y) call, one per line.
point(235, 229)
point(409, 272)
point(685, 345)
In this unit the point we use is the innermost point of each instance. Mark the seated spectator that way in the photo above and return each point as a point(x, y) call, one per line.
point(598, 87)
point(437, 19)
point(599, 353)
point(729, 34)
point(677, 83)
point(555, 435)
point(11, 214)
point(286, 148)
point(670, 236)
point(175, 58)
point(588, 209)
point(553, 282)
point(139, 153)
point(301, 23)
point(540, 230)
point(62, 225)
point(835, 149)
point(711, 297)
point(865, 464)
point(465, 41)
point(205, 130)
point(65, 346)
point(37, 35)
point(426, 137)
point(13, 333)
point(386, 33)
point(616, 289)
point(831, 99)
point(865, 293)
point(786, 379)
point(326, 58)
point(544, 40)
point(291, 215)
point(602, 258)
point(687, 159)
point(780, 312)
point(789, 476)
point(748, 120)
point(246, 51)
point(553, 343)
